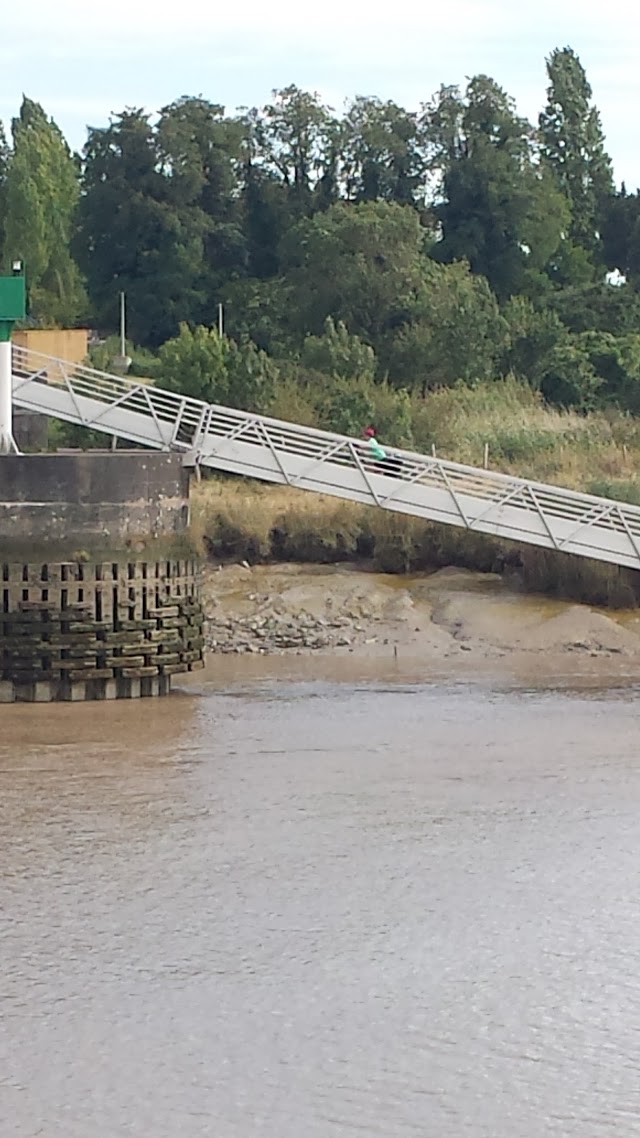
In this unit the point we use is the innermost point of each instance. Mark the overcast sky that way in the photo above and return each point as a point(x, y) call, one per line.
point(83, 61)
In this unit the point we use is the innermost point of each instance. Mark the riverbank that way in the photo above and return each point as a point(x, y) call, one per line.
point(452, 618)
point(235, 521)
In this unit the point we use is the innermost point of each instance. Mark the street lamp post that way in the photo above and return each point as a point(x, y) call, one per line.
point(12, 308)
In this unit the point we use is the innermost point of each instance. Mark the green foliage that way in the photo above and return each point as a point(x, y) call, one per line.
point(499, 209)
point(383, 156)
point(40, 195)
point(4, 161)
point(362, 265)
point(570, 379)
point(199, 151)
point(337, 353)
point(294, 133)
point(532, 335)
point(293, 402)
point(348, 406)
point(195, 363)
point(454, 331)
point(251, 377)
point(141, 231)
point(598, 307)
point(363, 260)
point(622, 490)
point(616, 362)
point(144, 364)
point(620, 227)
point(201, 363)
point(573, 145)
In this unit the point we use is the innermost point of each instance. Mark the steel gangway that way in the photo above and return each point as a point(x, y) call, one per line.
point(273, 450)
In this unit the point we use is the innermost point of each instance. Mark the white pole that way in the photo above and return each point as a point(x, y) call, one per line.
point(220, 322)
point(7, 445)
point(123, 337)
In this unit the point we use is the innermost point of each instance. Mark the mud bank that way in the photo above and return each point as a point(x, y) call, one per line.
point(451, 617)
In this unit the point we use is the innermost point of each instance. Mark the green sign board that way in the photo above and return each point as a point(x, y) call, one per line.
point(13, 301)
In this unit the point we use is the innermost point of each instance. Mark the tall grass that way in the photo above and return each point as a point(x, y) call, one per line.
point(594, 453)
point(598, 452)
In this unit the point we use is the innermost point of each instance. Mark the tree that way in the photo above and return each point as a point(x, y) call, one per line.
point(572, 143)
point(362, 265)
point(41, 192)
point(264, 203)
point(296, 140)
point(570, 379)
point(4, 162)
point(336, 352)
point(496, 206)
point(616, 362)
point(455, 331)
point(621, 233)
point(382, 156)
point(349, 405)
point(533, 334)
point(599, 307)
point(141, 230)
point(200, 152)
point(201, 363)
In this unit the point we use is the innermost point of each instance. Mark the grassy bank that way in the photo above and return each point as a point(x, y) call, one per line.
point(248, 521)
point(597, 453)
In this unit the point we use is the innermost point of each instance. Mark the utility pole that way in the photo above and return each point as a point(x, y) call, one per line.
point(12, 307)
point(122, 363)
point(220, 321)
point(123, 332)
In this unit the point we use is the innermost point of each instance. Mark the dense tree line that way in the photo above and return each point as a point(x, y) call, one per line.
point(376, 249)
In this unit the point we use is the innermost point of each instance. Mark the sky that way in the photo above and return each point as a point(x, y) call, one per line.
point(85, 61)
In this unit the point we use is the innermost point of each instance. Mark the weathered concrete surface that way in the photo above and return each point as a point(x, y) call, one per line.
point(91, 500)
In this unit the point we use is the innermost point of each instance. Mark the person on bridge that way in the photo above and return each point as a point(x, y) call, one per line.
point(389, 464)
point(376, 450)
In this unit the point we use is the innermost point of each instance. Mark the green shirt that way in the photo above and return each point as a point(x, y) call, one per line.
point(376, 449)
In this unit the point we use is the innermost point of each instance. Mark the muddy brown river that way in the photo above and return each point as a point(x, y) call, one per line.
point(309, 903)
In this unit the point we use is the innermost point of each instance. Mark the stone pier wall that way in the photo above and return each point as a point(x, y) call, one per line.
point(99, 587)
point(111, 630)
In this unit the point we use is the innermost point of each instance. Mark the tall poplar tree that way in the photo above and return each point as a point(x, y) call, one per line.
point(497, 207)
point(41, 195)
point(573, 144)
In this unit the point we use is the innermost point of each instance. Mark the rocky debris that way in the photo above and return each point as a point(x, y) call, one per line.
point(300, 611)
point(305, 609)
point(279, 632)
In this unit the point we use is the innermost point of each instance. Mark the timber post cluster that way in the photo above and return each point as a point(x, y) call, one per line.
point(120, 615)
point(96, 631)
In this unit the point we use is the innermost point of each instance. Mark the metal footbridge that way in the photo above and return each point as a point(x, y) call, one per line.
point(276, 451)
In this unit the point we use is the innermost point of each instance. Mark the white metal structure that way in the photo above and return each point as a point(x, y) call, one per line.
point(277, 451)
point(7, 444)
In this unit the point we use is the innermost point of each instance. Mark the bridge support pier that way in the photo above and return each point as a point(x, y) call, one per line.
point(99, 581)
